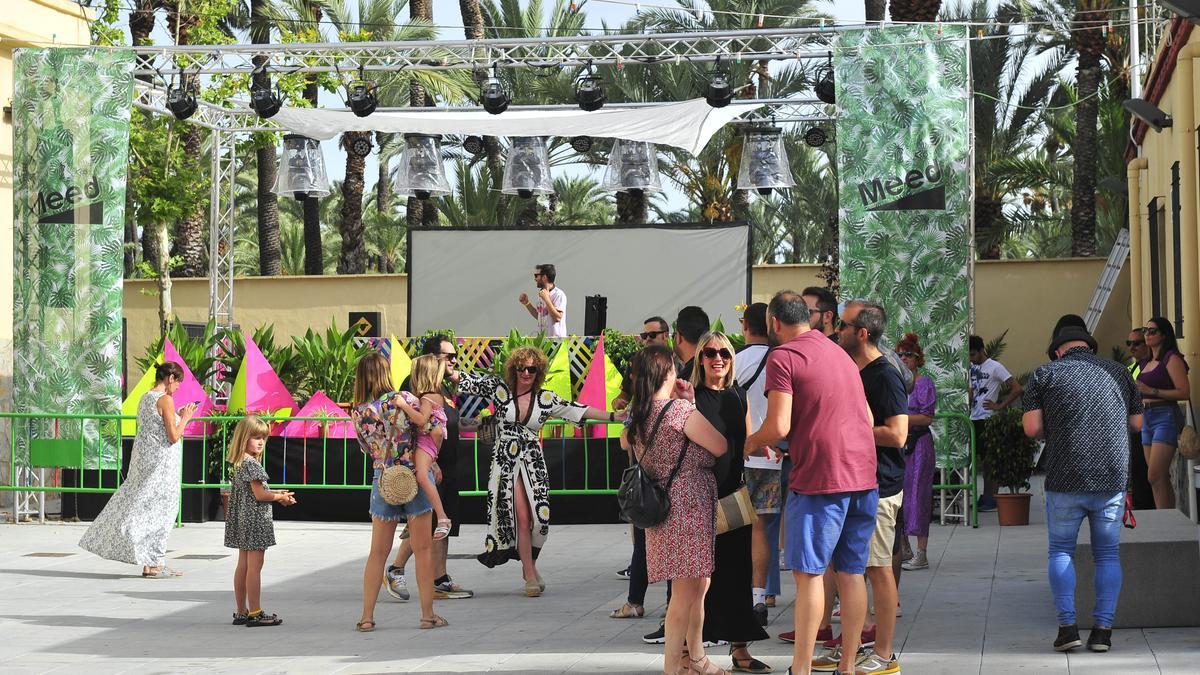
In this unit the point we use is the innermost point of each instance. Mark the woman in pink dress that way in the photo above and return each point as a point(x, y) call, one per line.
point(681, 547)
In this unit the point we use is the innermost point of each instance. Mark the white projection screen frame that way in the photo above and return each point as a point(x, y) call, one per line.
point(468, 279)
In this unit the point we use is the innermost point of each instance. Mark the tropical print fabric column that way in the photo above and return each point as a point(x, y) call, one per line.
point(71, 150)
point(903, 98)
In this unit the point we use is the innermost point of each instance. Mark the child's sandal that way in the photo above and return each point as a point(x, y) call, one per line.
point(262, 619)
point(434, 622)
point(443, 529)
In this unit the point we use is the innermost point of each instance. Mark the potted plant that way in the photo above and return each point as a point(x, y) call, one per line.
point(1009, 464)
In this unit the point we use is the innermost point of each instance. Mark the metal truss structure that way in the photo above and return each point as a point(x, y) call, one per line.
point(556, 52)
point(226, 123)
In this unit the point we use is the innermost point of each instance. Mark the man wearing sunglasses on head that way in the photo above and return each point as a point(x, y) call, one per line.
point(551, 310)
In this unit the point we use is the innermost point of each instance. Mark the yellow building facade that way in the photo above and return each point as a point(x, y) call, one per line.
point(1162, 180)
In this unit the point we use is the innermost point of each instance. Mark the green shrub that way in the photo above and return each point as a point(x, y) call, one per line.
point(198, 354)
point(327, 363)
point(1009, 461)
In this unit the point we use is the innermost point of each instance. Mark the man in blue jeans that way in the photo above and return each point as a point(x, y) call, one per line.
point(1084, 406)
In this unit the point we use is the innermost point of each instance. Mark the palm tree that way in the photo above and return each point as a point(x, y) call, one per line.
point(875, 10)
point(1088, 38)
point(473, 202)
point(141, 24)
point(579, 200)
point(1006, 124)
point(269, 262)
point(914, 10)
point(806, 216)
point(188, 244)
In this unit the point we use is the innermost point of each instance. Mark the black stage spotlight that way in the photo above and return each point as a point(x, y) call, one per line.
point(473, 145)
point(824, 86)
point(1148, 113)
point(181, 102)
point(264, 101)
point(589, 93)
point(718, 92)
point(495, 99)
point(362, 100)
point(815, 137)
point(581, 144)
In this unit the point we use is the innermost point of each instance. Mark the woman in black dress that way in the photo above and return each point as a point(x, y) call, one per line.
point(728, 606)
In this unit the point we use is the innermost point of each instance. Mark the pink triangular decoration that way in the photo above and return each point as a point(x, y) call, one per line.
point(190, 391)
point(265, 392)
point(594, 391)
point(319, 405)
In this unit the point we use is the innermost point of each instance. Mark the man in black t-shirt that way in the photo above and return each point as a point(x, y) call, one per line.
point(862, 324)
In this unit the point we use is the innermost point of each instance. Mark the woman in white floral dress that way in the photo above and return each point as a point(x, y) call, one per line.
point(134, 525)
point(518, 504)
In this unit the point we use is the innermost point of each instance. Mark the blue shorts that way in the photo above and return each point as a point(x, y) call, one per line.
point(1160, 424)
point(384, 511)
point(829, 528)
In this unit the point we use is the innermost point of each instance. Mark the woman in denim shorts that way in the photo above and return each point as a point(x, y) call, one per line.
point(383, 434)
point(1163, 383)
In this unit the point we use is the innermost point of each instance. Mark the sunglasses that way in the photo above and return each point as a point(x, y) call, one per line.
point(906, 354)
point(1135, 343)
point(528, 370)
point(710, 353)
point(844, 324)
point(452, 357)
point(651, 334)
point(1152, 331)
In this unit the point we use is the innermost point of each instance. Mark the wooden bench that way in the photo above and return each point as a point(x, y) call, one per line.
point(1160, 566)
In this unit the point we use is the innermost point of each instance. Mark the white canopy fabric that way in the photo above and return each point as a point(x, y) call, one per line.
point(687, 125)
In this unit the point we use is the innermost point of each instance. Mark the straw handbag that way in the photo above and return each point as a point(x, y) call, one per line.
point(398, 484)
point(1189, 440)
point(735, 510)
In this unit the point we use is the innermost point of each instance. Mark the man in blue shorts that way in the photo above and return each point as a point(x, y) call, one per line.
point(815, 401)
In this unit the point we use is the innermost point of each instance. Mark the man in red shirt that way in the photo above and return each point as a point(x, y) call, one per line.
point(815, 401)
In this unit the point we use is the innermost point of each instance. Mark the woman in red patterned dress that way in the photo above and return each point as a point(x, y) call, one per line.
point(681, 547)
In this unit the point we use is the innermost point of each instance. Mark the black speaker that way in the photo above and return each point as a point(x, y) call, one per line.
point(595, 315)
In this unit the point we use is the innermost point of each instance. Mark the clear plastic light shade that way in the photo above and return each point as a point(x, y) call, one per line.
point(632, 166)
point(301, 168)
point(764, 161)
point(420, 172)
point(527, 172)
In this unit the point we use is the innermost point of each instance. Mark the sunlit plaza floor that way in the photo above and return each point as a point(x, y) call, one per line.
point(982, 607)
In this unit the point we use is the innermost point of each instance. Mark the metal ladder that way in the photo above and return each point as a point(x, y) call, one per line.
point(1108, 279)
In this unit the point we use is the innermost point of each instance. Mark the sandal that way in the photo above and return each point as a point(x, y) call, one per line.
point(434, 622)
point(770, 601)
point(443, 529)
point(532, 588)
point(239, 619)
point(262, 619)
point(367, 626)
point(705, 667)
point(746, 665)
point(628, 611)
point(162, 573)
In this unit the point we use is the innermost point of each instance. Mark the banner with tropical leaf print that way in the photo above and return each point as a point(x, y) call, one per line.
point(70, 154)
point(904, 162)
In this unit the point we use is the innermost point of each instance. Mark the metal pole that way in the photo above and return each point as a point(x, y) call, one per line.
point(1135, 54)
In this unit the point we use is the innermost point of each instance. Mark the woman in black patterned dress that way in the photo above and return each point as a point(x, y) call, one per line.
point(518, 487)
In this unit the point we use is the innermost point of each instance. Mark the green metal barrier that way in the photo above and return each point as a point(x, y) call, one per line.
point(969, 486)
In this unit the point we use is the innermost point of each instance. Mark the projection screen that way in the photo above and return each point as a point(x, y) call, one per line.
point(468, 279)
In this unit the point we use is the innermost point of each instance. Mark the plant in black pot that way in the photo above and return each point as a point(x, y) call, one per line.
point(1009, 463)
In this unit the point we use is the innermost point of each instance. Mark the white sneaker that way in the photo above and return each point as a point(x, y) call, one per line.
point(395, 584)
point(919, 561)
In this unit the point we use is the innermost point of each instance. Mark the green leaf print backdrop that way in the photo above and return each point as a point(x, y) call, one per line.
point(71, 152)
point(903, 97)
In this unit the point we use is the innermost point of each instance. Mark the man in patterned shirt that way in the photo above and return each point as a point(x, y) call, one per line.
point(1084, 406)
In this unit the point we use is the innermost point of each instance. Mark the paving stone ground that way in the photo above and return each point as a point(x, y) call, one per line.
point(982, 607)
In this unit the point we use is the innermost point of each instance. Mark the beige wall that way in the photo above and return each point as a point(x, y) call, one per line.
point(1025, 296)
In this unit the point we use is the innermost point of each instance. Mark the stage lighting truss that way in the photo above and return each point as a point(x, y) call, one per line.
point(554, 52)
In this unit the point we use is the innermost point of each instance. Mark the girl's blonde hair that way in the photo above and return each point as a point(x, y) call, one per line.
point(520, 355)
point(428, 371)
point(372, 378)
point(250, 428)
point(698, 374)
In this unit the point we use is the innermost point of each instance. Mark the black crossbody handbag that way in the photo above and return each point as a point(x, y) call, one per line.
point(642, 500)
